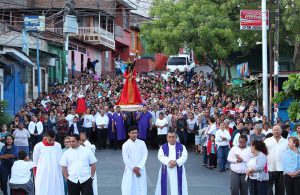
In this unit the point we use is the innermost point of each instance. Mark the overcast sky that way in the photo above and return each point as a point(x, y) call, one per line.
point(142, 6)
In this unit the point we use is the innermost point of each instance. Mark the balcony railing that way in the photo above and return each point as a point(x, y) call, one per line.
point(93, 35)
point(55, 30)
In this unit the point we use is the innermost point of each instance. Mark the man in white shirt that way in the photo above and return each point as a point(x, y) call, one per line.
point(276, 146)
point(86, 143)
point(134, 152)
point(238, 157)
point(71, 116)
point(79, 167)
point(222, 140)
point(172, 156)
point(102, 122)
point(162, 128)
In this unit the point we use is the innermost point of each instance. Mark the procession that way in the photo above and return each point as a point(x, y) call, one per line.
point(149, 97)
point(86, 115)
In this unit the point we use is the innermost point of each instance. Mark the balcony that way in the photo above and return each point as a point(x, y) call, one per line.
point(92, 35)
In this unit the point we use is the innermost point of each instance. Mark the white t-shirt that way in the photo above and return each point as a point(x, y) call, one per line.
point(1, 145)
point(20, 172)
point(191, 123)
point(88, 121)
point(251, 165)
point(21, 137)
point(164, 130)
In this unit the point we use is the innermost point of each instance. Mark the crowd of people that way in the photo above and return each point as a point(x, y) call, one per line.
point(229, 132)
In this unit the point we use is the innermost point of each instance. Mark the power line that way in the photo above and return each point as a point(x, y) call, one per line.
point(11, 39)
point(50, 7)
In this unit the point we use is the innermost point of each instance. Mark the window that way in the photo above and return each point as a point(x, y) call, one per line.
point(82, 62)
point(110, 25)
point(35, 77)
point(96, 21)
point(125, 20)
point(30, 83)
point(133, 46)
point(103, 22)
point(72, 55)
point(43, 78)
point(82, 21)
point(177, 61)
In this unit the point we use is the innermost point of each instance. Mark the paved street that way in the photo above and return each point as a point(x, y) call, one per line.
point(200, 180)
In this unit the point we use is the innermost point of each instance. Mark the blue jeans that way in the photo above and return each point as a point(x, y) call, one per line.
point(24, 148)
point(222, 156)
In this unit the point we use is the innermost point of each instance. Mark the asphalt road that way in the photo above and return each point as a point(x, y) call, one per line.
point(201, 181)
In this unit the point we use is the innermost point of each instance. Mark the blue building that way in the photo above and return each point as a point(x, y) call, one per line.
point(15, 69)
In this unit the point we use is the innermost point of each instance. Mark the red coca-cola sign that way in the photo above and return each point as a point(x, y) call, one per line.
point(252, 19)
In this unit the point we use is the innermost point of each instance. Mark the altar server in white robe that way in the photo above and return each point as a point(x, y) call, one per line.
point(48, 172)
point(172, 174)
point(134, 152)
point(86, 143)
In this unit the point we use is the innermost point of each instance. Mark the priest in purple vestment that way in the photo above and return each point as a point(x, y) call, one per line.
point(172, 176)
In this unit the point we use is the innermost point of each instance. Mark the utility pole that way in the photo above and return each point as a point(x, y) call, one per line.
point(276, 50)
point(38, 64)
point(271, 61)
point(68, 10)
point(276, 47)
point(264, 57)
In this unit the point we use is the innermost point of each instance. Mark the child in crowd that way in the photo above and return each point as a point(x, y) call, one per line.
point(66, 143)
point(3, 133)
point(212, 152)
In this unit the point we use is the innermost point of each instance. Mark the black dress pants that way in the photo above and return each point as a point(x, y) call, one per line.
point(102, 138)
point(85, 188)
point(292, 185)
point(276, 178)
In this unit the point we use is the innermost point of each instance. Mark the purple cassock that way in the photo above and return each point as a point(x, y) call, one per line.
point(111, 135)
point(164, 175)
point(144, 125)
point(119, 126)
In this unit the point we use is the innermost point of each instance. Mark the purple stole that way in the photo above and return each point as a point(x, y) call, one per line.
point(164, 175)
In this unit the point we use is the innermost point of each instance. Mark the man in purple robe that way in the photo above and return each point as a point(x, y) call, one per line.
point(144, 119)
point(111, 135)
point(118, 127)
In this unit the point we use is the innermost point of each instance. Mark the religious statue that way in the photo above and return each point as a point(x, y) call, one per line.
point(130, 94)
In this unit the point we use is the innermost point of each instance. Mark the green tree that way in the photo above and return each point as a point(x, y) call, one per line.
point(247, 90)
point(210, 28)
point(291, 90)
point(4, 117)
point(290, 11)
